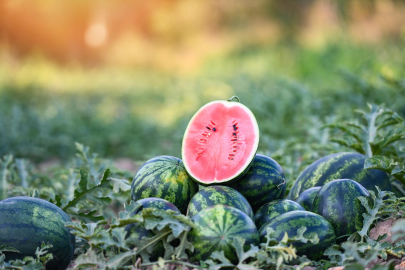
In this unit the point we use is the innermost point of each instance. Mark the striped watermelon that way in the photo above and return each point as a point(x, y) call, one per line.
point(337, 202)
point(216, 227)
point(273, 209)
point(214, 195)
point(164, 177)
point(264, 182)
point(339, 166)
point(290, 222)
point(220, 142)
point(307, 197)
point(136, 231)
point(26, 222)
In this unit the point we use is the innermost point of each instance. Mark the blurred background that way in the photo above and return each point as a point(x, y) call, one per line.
point(124, 77)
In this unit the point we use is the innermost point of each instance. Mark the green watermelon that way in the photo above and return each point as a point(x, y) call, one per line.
point(220, 142)
point(307, 197)
point(136, 231)
point(26, 222)
point(214, 195)
point(290, 222)
point(164, 177)
point(264, 182)
point(216, 227)
point(273, 209)
point(337, 202)
point(339, 166)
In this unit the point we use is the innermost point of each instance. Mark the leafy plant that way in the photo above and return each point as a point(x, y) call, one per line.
point(371, 137)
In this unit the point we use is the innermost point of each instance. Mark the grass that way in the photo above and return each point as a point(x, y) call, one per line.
point(129, 112)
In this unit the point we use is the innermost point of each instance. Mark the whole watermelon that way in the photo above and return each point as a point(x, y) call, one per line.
point(307, 197)
point(290, 222)
point(344, 165)
point(26, 222)
point(214, 195)
point(164, 177)
point(271, 210)
point(216, 227)
point(337, 202)
point(137, 231)
point(264, 182)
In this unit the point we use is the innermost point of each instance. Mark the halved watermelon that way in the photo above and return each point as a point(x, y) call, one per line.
point(220, 142)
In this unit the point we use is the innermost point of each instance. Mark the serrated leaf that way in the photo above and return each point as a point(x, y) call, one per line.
point(159, 219)
point(91, 258)
point(120, 184)
point(86, 231)
point(87, 217)
point(4, 248)
point(238, 244)
point(217, 260)
point(83, 191)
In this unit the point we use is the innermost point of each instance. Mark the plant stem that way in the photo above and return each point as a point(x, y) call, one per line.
point(157, 239)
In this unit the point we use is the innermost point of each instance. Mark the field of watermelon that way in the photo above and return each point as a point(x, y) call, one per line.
point(276, 164)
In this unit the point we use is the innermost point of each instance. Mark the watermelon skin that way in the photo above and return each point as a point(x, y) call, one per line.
point(214, 195)
point(344, 165)
point(26, 222)
point(337, 202)
point(164, 177)
point(216, 227)
point(290, 222)
point(273, 209)
point(264, 182)
point(307, 197)
point(220, 142)
point(137, 231)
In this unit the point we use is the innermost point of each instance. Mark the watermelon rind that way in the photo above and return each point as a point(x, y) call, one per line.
point(273, 209)
point(243, 168)
point(216, 228)
point(290, 222)
point(307, 197)
point(214, 195)
point(26, 222)
point(264, 182)
point(345, 165)
point(337, 201)
point(164, 177)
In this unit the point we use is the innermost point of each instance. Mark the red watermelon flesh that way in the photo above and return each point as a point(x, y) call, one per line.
point(220, 142)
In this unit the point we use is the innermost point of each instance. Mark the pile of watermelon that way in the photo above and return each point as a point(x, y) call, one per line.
point(228, 190)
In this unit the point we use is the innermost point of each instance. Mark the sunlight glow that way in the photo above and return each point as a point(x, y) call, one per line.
point(96, 35)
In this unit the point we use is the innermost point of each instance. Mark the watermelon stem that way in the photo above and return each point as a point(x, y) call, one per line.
point(234, 97)
point(278, 186)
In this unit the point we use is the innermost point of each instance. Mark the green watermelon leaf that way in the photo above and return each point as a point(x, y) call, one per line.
point(4, 248)
point(127, 217)
point(218, 260)
point(371, 136)
point(387, 165)
point(238, 244)
point(119, 184)
point(91, 259)
point(313, 237)
point(376, 208)
point(159, 219)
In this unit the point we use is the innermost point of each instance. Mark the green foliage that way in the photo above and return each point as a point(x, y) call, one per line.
point(371, 137)
point(147, 118)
